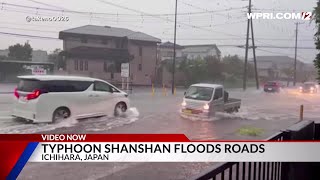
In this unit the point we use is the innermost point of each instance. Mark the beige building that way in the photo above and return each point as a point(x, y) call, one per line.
point(201, 51)
point(165, 56)
point(282, 68)
point(98, 51)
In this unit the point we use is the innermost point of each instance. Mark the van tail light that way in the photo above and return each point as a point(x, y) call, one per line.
point(34, 95)
point(16, 94)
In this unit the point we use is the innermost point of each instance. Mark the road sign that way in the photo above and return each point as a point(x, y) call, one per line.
point(125, 68)
point(39, 71)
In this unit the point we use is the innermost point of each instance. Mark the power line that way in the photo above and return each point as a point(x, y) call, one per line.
point(278, 10)
point(29, 36)
point(203, 9)
point(144, 13)
point(24, 29)
point(45, 4)
point(109, 14)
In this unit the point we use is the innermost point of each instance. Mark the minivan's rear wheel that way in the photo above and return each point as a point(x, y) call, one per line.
point(60, 114)
point(120, 109)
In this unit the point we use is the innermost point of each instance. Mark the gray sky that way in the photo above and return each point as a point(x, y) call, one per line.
point(224, 27)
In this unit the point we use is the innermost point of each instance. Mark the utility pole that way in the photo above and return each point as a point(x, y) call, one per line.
point(247, 49)
point(295, 57)
point(174, 48)
point(254, 57)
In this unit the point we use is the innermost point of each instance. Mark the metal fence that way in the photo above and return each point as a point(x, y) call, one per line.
point(270, 170)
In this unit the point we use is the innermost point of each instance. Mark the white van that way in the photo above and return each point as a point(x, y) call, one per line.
point(48, 98)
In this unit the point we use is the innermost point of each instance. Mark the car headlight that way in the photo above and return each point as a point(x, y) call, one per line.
point(206, 107)
point(300, 88)
point(183, 104)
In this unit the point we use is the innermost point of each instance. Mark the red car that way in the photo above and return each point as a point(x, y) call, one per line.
point(272, 87)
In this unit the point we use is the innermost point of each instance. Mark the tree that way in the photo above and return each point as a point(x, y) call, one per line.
point(316, 18)
point(3, 57)
point(233, 65)
point(214, 67)
point(55, 58)
point(20, 52)
point(289, 72)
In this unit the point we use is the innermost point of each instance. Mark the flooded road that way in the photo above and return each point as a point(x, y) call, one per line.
point(160, 114)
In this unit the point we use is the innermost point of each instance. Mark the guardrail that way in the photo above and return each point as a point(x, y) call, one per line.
point(270, 170)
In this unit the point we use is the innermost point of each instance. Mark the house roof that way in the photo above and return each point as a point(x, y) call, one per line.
point(108, 31)
point(275, 59)
point(266, 62)
point(200, 48)
point(170, 45)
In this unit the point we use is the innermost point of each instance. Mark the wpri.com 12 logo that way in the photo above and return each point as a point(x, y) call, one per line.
point(306, 15)
point(281, 16)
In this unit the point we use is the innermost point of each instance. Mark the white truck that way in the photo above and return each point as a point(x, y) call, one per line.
point(204, 100)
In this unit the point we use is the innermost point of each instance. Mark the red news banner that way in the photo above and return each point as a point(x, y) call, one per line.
point(17, 150)
point(14, 147)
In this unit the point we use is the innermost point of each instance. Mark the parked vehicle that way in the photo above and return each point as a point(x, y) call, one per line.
point(204, 100)
point(45, 98)
point(309, 87)
point(272, 87)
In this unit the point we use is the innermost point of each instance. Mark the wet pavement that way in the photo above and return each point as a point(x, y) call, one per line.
point(159, 114)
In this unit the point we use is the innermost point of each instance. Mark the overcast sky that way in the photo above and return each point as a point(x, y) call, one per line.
point(225, 26)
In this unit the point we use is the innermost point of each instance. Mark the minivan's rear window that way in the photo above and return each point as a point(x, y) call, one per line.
point(29, 85)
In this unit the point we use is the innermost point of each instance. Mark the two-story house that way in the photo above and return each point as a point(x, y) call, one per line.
point(278, 68)
point(201, 51)
point(166, 51)
point(165, 58)
point(98, 51)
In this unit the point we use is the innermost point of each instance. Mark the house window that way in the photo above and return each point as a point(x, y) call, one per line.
point(105, 66)
point(76, 65)
point(140, 51)
point(86, 65)
point(84, 40)
point(118, 44)
point(118, 67)
point(123, 43)
point(105, 41)
point(81, 65)
point(140, 67)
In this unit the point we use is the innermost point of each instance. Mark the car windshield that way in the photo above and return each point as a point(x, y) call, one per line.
point(308, 85)
point(199, 93)
point(271, 83)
